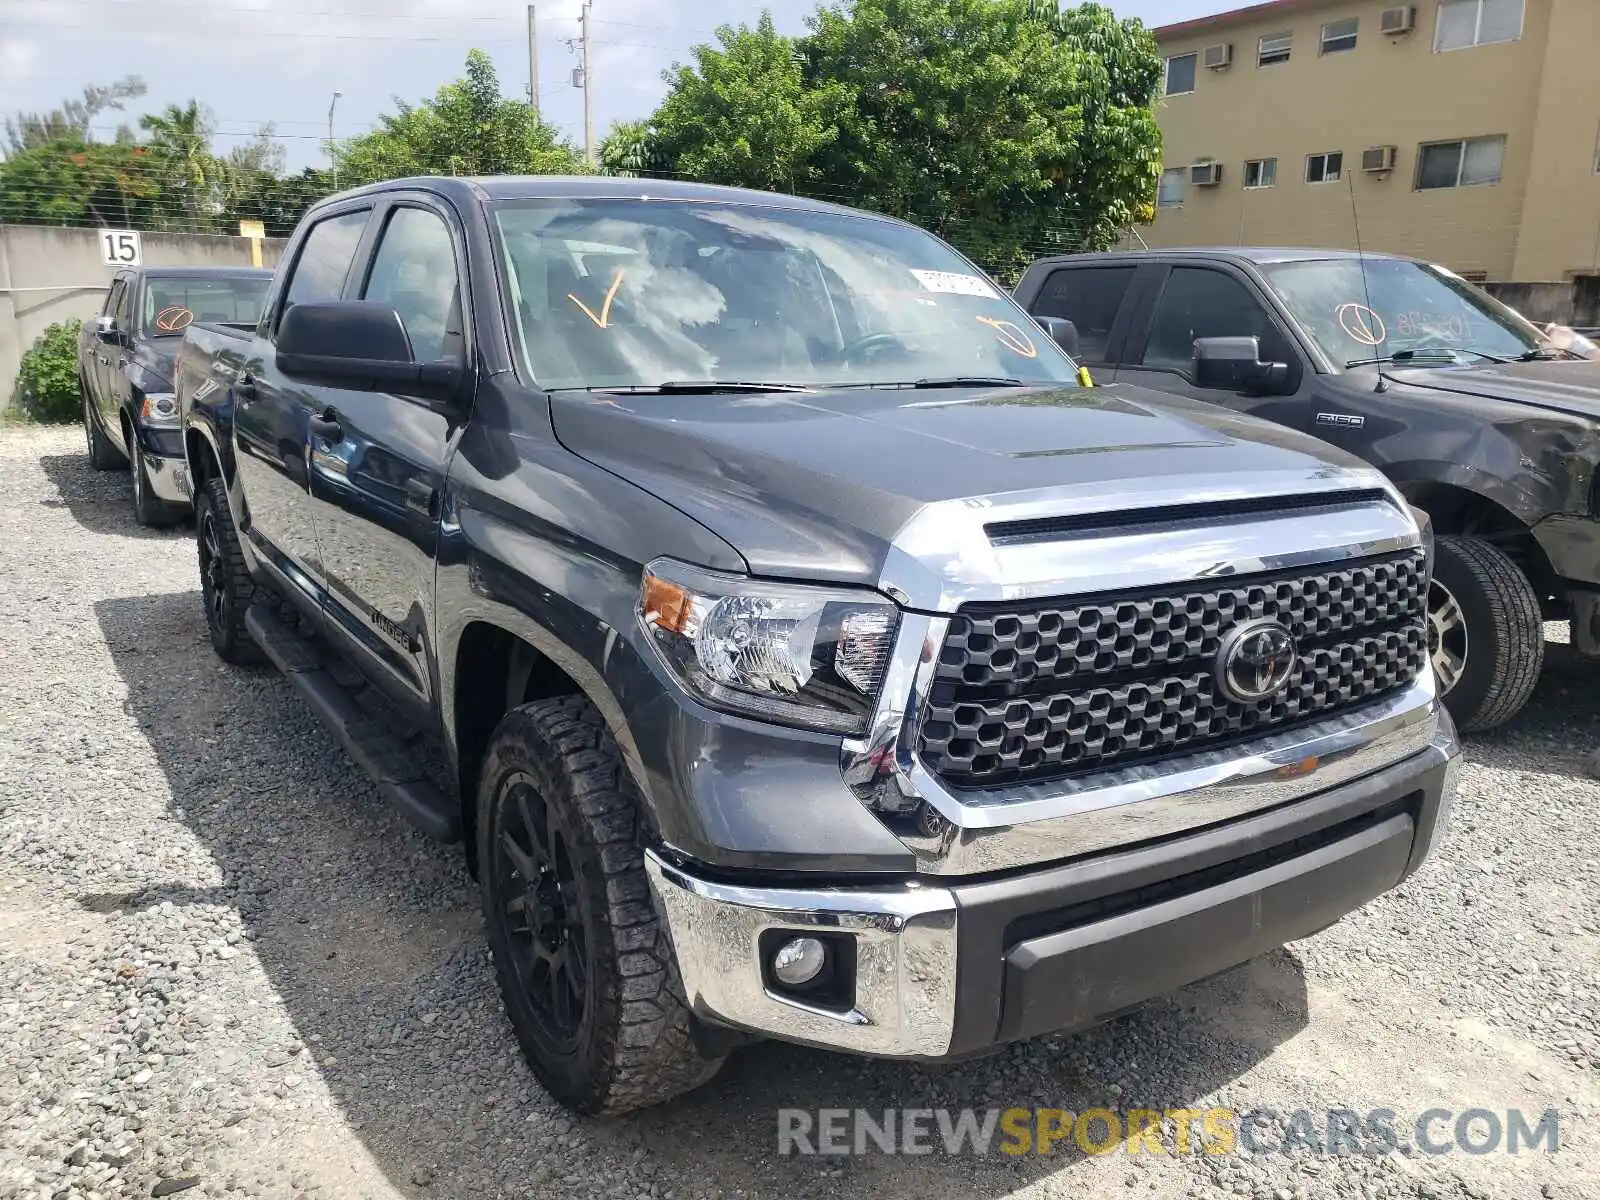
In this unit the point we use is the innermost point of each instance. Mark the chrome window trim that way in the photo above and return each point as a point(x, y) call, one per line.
point(944, 558)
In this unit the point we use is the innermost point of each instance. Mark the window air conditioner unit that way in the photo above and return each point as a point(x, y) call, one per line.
point(1398, 20)
point(1378, 158)
point(1218, 57)
point(1206, 174)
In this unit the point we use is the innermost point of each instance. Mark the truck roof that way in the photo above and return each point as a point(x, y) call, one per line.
point(1251, 254)
point(198, 272)
point(588, 187)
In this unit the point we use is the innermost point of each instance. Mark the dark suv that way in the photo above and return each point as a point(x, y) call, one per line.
point(1476, 415)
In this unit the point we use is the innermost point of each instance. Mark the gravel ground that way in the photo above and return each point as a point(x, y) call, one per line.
point(229, 970)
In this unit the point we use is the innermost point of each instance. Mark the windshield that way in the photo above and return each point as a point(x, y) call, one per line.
point(172, 303)
point(637, 293)
point(1398, 306)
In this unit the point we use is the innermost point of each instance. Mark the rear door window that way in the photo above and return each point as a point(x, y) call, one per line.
point(1089, 297)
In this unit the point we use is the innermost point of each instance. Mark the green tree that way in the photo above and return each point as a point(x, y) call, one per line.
point(1112, 173)
point(743, 114)
point(72, 121)
point(71, 182)
point(467, 128)
point(629, 148)
point(190, 174)
point(960, 115)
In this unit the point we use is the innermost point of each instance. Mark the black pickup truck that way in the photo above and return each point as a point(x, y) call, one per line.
point(814, 655)
point(125, 372)
point(1477, 416)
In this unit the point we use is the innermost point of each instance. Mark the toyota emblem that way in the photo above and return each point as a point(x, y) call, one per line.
point(1255, 660)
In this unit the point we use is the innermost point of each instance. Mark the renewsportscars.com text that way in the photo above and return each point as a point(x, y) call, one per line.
point(1018, 1131)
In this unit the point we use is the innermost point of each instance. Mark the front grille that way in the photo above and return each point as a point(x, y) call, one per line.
point(1066, 687)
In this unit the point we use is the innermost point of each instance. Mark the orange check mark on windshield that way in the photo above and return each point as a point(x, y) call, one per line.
point(605, 308)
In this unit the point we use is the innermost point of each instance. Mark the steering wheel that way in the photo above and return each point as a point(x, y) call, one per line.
point(864, 347)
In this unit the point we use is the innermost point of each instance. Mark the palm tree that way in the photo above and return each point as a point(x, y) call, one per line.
point(180, 140)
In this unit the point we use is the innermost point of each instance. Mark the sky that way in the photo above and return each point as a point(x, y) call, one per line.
point(280, 61)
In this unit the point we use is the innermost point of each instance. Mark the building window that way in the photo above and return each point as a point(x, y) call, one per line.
point(1324, 168)
point(1180, 74)
point(1339, 36)
point(1274, 49)
point(1460, 164)
point(1474, 276)
point(1464, 23)
point(1260, 172)
point(1170, 194)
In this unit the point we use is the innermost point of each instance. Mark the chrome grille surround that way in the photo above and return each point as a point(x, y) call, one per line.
point(944, 560)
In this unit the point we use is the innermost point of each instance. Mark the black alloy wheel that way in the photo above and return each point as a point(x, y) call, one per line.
point(535, 883)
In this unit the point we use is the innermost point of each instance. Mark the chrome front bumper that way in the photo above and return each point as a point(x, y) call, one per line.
point(168, 478)
point(915, 961)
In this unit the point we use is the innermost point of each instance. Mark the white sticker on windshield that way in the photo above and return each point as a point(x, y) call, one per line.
point(955, 283)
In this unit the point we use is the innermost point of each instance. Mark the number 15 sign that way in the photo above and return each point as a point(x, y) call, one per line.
point(120, 247)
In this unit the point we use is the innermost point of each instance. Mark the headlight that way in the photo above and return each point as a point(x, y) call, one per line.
point(159, 408)
point(789, 653)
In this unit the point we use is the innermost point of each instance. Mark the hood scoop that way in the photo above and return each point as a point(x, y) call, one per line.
point(1172, 517)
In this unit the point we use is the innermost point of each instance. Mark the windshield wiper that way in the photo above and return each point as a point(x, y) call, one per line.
point(1424, 352)
point(940, 381)
point(695, 387)
point(1548, 354)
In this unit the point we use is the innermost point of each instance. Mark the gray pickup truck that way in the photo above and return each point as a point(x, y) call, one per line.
point(814, 655)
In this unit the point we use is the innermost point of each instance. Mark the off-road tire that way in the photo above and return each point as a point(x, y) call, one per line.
point(103, 453)
point(216, 537)
point(149, 509)
point(1505, 632)
point(636, 1042)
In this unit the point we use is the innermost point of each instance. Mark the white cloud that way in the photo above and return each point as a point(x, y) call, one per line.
point(18, 62)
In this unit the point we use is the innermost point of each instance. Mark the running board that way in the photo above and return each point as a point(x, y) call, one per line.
point(366, 740)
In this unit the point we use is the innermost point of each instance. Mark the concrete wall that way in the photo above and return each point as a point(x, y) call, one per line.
point(1542, 92)
point(49, 274)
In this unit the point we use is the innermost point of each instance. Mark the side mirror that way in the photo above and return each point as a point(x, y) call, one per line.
point(1062, 332)
point(361, 345)
point(106, 331)
point(1234, 364)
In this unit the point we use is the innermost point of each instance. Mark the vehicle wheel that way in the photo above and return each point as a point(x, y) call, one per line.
point(225, 585)
point(149, 509)
point(103, 455)
point(1485, 632)
point(584, 962)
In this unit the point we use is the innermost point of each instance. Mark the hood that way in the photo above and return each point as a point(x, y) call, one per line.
point(1561, 386)
point(817, 485)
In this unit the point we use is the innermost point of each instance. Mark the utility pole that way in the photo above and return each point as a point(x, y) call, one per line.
point(533, 61)
point(332, 161)
point(588, 107)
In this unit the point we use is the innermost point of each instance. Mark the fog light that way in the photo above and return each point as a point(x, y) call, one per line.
point(799, 961)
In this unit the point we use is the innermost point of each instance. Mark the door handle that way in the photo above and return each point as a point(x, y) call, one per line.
point(325, 425)
point(420, 495)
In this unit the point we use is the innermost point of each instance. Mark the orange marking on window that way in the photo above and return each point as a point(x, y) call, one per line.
point(1011, 337)
point(605, 309)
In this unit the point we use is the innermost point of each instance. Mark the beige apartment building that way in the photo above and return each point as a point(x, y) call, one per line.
point(1466, 132)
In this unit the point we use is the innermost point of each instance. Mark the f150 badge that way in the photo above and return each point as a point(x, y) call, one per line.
point(1342, 420)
